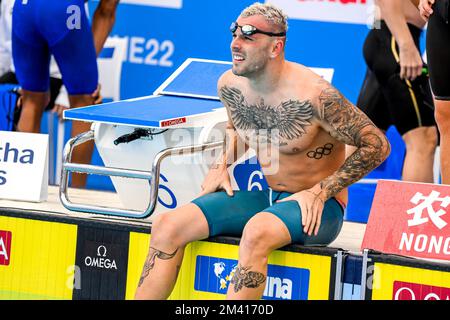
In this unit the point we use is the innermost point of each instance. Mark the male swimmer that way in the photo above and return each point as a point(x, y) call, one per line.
point(272, 104)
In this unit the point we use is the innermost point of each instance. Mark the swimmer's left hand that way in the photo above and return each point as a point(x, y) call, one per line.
point(311, 203)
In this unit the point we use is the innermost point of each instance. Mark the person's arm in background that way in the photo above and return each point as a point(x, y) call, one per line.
point(410, 59)
point(426, 8)
point(103, 22)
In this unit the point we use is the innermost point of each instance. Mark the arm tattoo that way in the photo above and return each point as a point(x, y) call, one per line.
point(290, 118)
point(244, 278)
point(150, 262)
point(344, 118)
point(351, 126)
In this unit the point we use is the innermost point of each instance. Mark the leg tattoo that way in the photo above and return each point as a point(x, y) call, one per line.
point(150, 262)
point(244, 278)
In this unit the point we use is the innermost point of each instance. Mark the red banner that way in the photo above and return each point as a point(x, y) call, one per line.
point(415, 291)
point(5, 247)
point(410, 219)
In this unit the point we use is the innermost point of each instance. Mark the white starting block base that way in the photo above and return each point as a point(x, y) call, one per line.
point(181, 175)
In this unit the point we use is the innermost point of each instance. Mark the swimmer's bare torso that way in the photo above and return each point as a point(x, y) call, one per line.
point(285, 127)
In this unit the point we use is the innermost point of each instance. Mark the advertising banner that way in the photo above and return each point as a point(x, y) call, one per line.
point(396, 282)
point(37, 259)
point(343, 11)
point(410, 219)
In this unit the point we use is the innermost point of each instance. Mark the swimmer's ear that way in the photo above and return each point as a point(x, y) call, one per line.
point(278, 48)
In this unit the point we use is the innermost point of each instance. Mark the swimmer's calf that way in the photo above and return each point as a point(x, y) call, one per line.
point(192, 310)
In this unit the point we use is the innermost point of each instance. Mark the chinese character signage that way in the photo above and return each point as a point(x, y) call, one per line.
point(425, 207)
point(410, 219)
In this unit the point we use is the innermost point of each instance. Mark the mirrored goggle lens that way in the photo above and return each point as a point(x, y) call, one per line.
point(233, 27)
point(248, 30)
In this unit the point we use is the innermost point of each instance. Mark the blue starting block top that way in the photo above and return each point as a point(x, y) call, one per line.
point(195, 78)
point(152, 111)
point(190, 92)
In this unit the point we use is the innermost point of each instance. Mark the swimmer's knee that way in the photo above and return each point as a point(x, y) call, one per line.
point(253, 236)
point(81, 100)
point(166, 231)
point(262, 234)
point(422, 139)
point(33, 99)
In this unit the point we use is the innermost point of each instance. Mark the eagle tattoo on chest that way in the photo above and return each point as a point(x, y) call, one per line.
point(290, 117)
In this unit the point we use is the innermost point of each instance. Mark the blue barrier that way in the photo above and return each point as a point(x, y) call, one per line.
point(8, 101)
point(361, 195)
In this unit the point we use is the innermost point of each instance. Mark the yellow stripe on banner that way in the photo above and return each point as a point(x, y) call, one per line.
point(385, 275)
point(138, 249)
point(319, 266)
point(408, 83)
point(42, 260)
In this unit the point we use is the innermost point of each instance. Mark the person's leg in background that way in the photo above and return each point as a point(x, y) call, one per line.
point(411, 107)
point(33, 105)
point(76, 58)
point(83, 152)
point(419, 159)
point(443, 120)
point(32, 71)
point(406, 104)
point(420, 141)
point(438, 53)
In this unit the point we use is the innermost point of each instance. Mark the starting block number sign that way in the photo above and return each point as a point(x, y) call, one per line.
point(23, 166)
point(410, 219)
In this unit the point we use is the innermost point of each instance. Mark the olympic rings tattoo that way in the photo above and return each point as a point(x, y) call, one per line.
point(320, 152)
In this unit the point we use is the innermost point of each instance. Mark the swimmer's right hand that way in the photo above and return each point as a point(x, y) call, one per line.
point(217, 179)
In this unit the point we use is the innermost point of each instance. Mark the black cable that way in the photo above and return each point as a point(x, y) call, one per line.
point(136, 134)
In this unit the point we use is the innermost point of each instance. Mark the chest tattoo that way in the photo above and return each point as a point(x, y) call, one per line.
point(290, 118)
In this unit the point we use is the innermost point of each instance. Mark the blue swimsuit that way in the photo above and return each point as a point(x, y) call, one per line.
point(41, 28)
point(228, 215)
